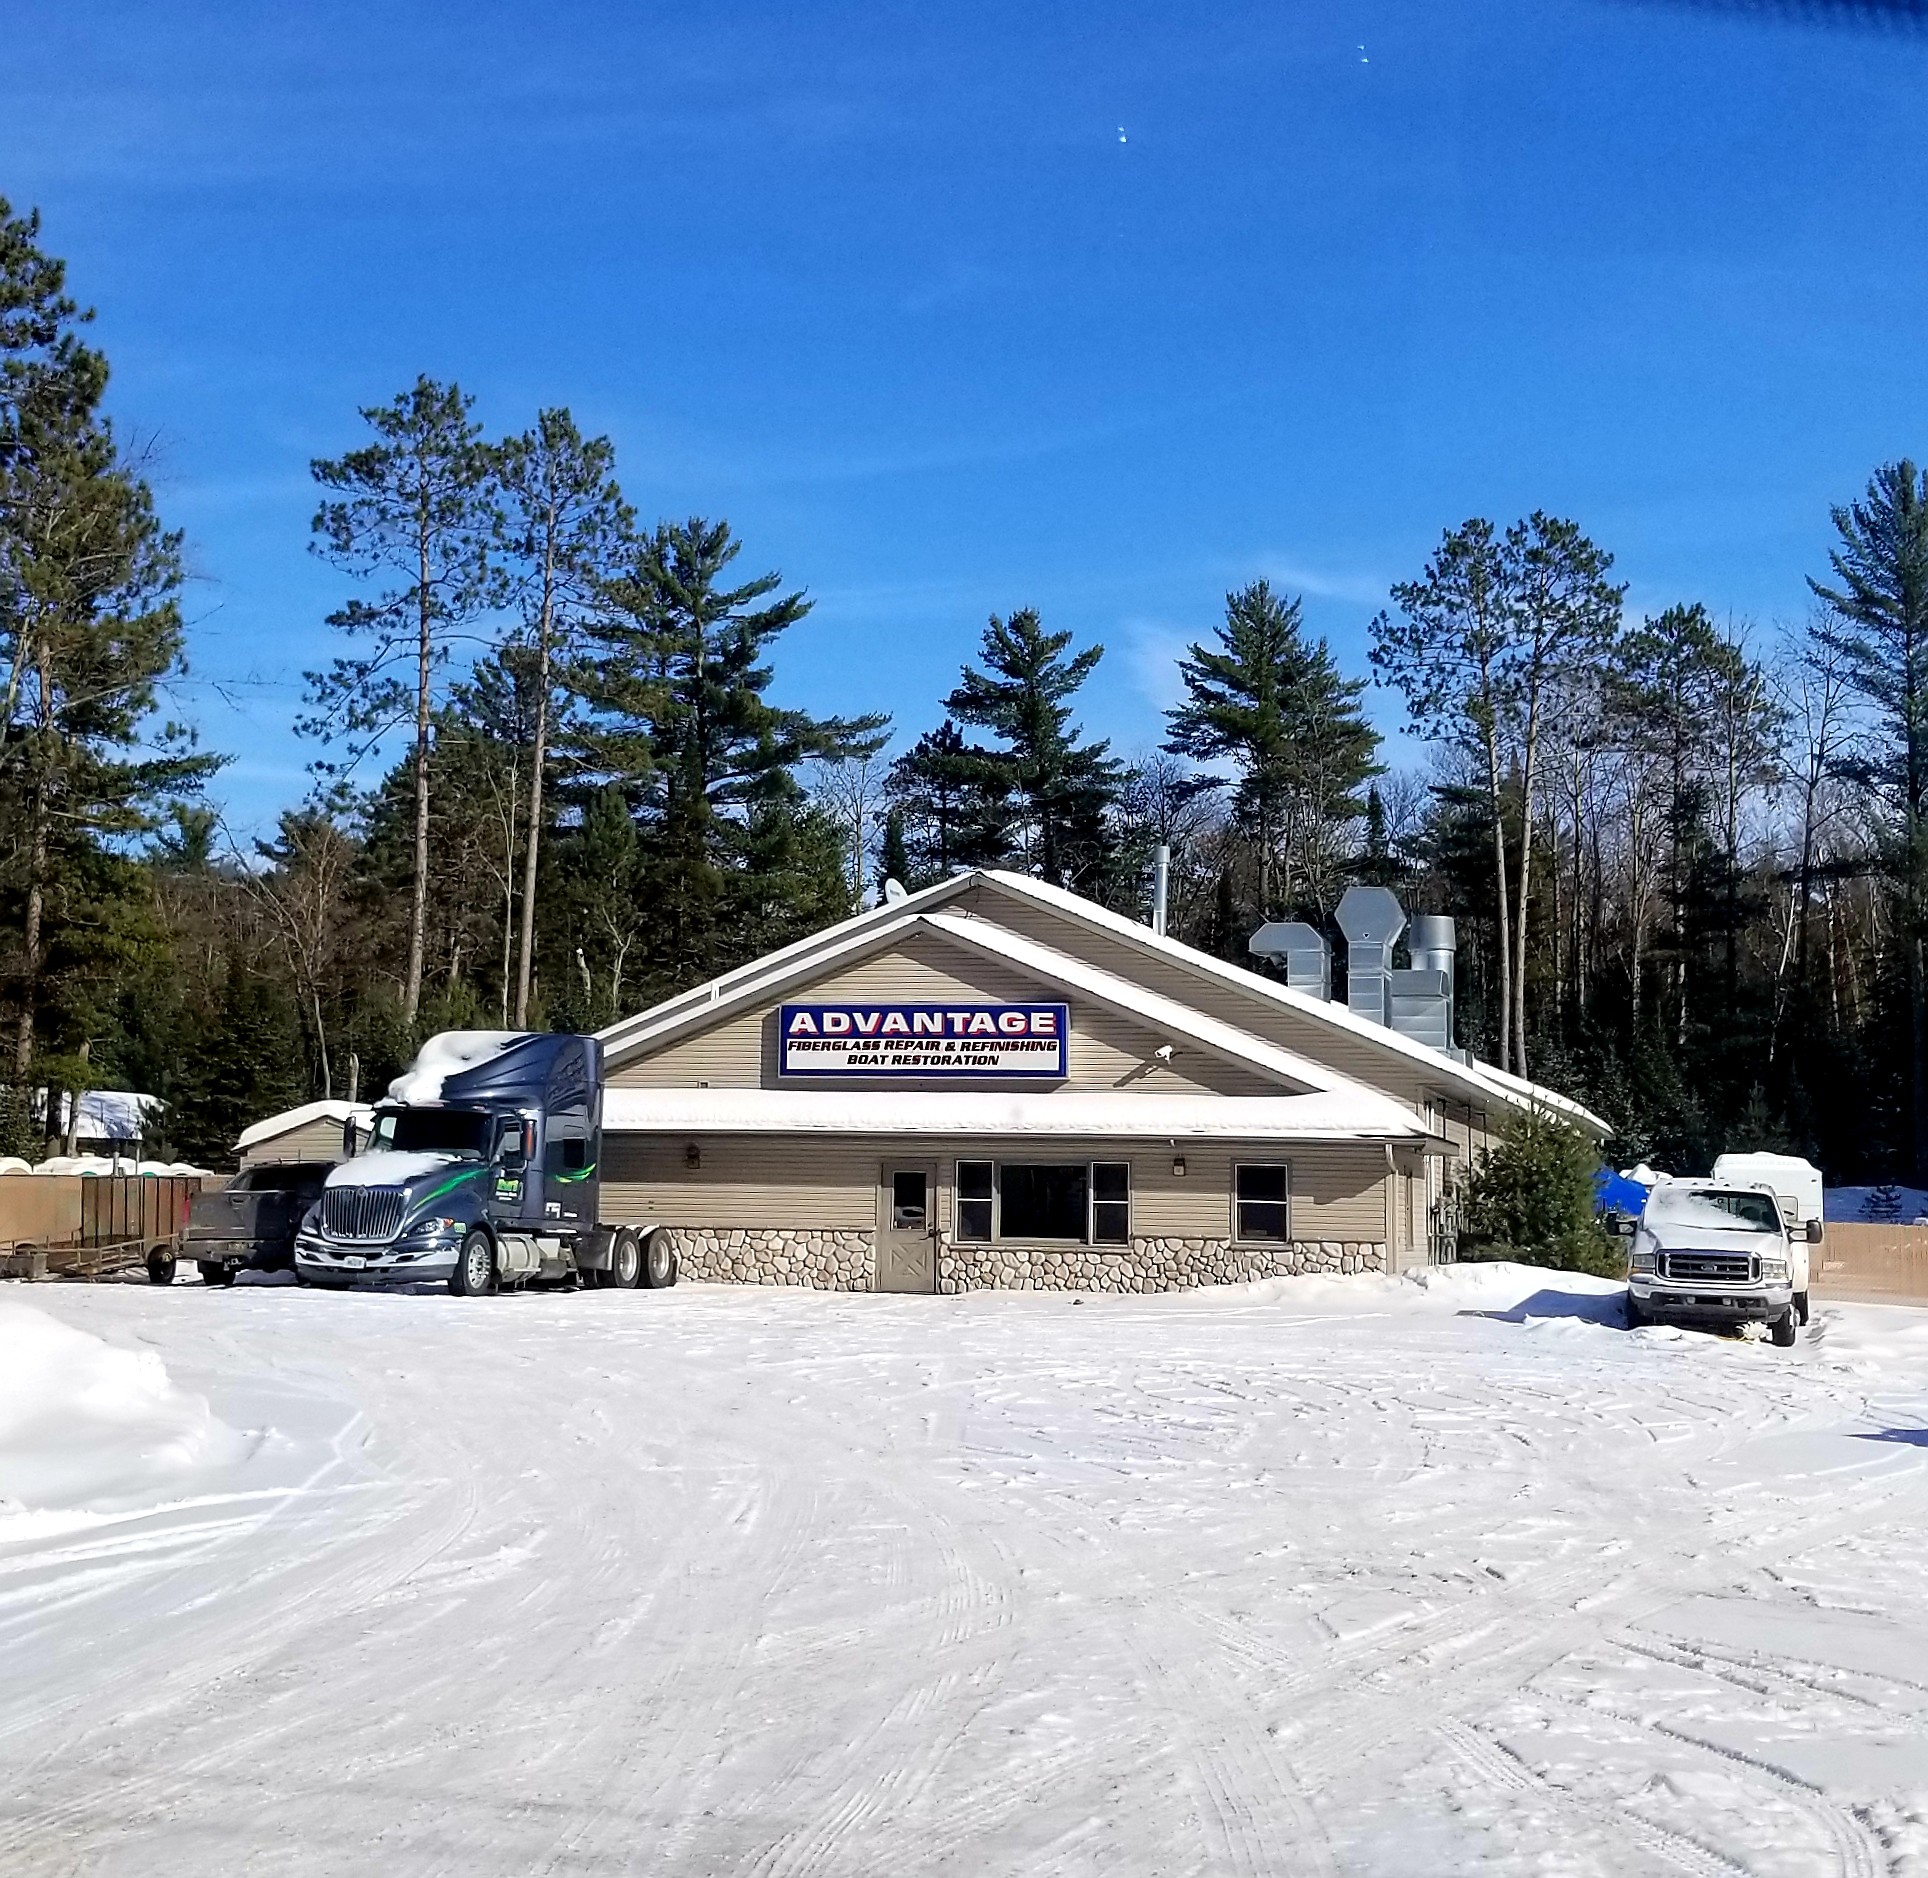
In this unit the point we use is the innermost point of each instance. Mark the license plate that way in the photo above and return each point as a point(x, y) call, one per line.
point(354, 1264)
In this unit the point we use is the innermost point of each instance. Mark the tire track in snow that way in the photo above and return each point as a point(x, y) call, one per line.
point(1497, 1766)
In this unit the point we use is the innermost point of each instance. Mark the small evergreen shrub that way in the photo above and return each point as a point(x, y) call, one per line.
point(1530, 1198)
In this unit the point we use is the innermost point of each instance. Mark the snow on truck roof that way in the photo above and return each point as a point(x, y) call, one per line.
point(444, 1055)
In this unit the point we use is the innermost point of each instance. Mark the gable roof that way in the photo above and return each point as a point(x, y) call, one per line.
point(876, 928)
point(680, 1017)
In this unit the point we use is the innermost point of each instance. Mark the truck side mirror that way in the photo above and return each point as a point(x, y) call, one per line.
point(512, 1149)
point(1814, 1232)
point(1624, 1224)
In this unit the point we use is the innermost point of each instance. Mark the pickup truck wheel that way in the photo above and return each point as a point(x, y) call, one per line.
point(1636, 1317)
point(1784, 1329)
point(160, 1268)
point(1801, 1305)
point(625, 1261)
point(659, 1259)
point(216, 1273)
point(474, 1273)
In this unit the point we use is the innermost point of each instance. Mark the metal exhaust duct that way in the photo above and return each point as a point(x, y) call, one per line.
point(1422, 998)
point(1161, 887)
point(1372, 920)
point(1302, 948)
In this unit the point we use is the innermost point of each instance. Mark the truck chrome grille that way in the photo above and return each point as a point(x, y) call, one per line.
point(361, 1213)
point(1716, 1268)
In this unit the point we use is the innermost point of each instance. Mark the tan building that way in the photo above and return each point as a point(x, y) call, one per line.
point(995, 1083)
point(312, 1132)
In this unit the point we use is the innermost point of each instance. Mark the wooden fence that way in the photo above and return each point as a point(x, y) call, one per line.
point(1886, 1264)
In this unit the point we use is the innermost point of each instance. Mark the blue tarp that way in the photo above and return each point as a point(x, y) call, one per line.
point(1615, 1193)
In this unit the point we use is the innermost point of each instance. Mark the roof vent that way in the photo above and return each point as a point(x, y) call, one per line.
point(1372, 920)
point(1303, 948)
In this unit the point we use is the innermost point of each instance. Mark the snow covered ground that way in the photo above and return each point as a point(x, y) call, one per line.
point(1324, 1576)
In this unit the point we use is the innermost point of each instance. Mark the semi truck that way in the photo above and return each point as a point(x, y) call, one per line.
point(480, 1171)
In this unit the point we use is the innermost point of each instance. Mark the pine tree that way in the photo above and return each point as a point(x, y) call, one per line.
point(1273, 701)
point(955, 801)
point(566, 521)
point(1879, 632)
point(414, 507)
point(1493, 644)
point(89, 628)
point(1065, 788)
point(672, 682)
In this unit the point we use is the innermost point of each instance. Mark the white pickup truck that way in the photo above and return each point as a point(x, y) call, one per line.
point(1717, 1253)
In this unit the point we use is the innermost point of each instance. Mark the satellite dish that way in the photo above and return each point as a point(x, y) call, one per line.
point(895, 890)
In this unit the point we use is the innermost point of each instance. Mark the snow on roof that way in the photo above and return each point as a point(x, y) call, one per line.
point(1329, 1115)
point(290, 1119)
point(875, 926)
point(110, 1114)
point(1511, 1089)
point(443, 1054)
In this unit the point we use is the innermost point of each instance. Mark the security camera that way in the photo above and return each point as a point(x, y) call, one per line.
point(1164, 1053)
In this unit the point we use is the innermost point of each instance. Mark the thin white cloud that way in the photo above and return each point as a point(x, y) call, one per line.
point(1295, 576)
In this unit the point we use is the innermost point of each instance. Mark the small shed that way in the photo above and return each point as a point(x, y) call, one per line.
point(309, 1133)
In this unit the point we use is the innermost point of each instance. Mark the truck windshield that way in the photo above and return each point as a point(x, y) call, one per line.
point(431, 1131)
point(1714, 1206)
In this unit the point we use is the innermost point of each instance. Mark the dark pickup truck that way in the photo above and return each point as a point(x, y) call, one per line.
point(249, 1225)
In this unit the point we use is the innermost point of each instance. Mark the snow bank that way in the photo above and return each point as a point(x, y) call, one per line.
point(1504, 1289)
point(1877, 1205)
point(87, 1426)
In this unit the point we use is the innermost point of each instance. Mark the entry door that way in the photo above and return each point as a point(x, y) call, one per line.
point(907, 1218)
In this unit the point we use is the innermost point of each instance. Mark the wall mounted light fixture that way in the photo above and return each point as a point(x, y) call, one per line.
point(1178, 1165)
point(692, 1155)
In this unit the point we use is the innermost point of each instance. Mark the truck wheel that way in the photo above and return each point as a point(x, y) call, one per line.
point(625, 1262)
point(659, 1259)
point(1801, 1305)
point(1784, 1329)
point(216, 1273)
point(160, 1268)
point(1636, 1317)
point(474, 1273)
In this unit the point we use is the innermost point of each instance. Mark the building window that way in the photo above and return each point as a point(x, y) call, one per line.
point(1040, 1201)
point(1264, 1204)
point(974, 1190)
point(1111, 1203)
point(1084, 1203)
point(908, 1200)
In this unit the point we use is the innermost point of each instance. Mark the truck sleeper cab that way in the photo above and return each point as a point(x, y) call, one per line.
point(1717, 1255)
point(480, 1171)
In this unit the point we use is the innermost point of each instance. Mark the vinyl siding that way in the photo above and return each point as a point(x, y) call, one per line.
point(1107, 1050)
point(1339, 1191)
point(319, 1140)
point(1401, 1078)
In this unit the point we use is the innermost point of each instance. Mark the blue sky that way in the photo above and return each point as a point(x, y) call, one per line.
point(1103, 309)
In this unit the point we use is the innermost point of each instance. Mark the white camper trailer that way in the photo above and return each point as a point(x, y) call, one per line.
point(1796, 1187)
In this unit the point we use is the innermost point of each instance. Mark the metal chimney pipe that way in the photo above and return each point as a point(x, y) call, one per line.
point(1161, 882)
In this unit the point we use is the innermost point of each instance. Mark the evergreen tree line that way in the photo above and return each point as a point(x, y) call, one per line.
point(1687, 863)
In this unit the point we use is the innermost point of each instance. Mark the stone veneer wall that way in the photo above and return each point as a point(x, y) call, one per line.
point(778, 1255)
point(846, 1261)
point(1149, 1265)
